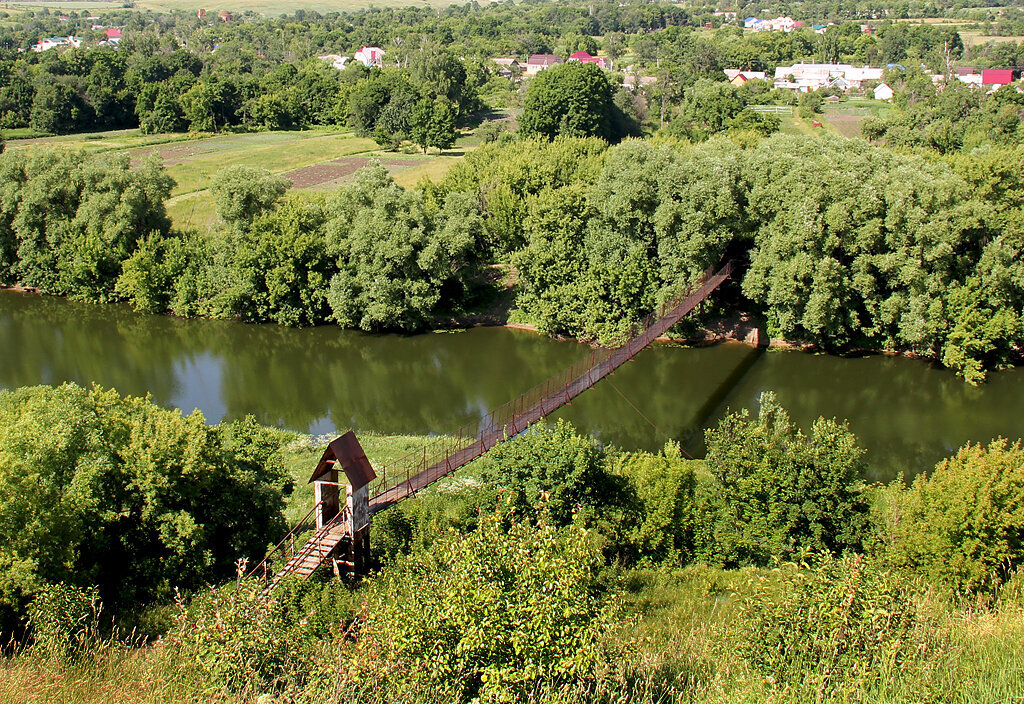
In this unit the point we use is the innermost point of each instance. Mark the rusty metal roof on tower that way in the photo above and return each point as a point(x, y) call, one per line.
point(347, 452)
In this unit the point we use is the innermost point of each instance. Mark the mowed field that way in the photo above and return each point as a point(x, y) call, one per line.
point(313, 160)
point(972, 39)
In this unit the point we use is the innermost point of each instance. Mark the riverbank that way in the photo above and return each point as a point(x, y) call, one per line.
point(496, 311)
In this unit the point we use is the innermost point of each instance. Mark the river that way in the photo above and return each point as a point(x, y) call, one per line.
point(908, 414)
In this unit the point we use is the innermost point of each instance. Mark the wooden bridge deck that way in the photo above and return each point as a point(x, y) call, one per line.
point(529, 409)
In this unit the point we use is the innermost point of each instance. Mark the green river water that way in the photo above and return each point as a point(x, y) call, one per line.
point(907, 413)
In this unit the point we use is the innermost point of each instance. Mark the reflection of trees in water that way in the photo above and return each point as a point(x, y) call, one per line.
point(388, 383)
point(906, 413)
point(51, 340)
point(671, 386)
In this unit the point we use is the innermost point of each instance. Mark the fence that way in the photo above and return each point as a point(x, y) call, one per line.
point(772, 109)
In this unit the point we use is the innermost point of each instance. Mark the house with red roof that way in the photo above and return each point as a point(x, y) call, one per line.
point(370, 56)
point(585, 58)
point(538, 62)
point(112, 33)
point(996, 77)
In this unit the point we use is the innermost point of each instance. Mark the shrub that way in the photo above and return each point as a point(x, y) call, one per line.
point(771, 491)
point(64, 620)
point(659, 529)
point(964, 524)
point(487, 616)
point(238, 639)
point(552, 462)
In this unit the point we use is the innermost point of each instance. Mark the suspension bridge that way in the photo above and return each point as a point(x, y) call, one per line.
point(342, 511)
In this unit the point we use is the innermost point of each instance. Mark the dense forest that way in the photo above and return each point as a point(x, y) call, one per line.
point(176, 72)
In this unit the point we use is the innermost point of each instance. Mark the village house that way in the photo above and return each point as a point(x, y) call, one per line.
point(738, 77)
point(630, 81)
point(47, 43)
point(538, 62)
point(996, 77)
point(883, 92)
point(779, 24)
point(991, 78)
point(508, 68)
point(335, 61)
point(811, 77)
point(585, 58)
point(370, 56)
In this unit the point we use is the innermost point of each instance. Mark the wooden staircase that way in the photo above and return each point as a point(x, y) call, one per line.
point(313, 553)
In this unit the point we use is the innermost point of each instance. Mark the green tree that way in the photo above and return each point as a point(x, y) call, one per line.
point(433, 124)
point(393, 258)
point(573, 100)
point(772, 491)
point(56, 109)
point(100, 489)
point(242, 193)
point(709, 106)
point(71, 220)
point(281, 267)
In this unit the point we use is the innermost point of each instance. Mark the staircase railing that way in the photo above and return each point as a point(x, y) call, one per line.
point(287, 541)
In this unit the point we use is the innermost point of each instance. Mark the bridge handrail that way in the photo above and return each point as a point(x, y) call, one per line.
point(447, 453)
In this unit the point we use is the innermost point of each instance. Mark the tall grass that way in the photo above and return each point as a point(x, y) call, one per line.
point(681, 637)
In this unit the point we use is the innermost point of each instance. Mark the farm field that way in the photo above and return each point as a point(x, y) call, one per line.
point(846, 118)
point(282, 7)
point(314, 160)
point(71, 5)
point(263, 7)
point(976, 38)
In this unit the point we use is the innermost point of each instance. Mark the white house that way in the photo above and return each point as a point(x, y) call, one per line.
point(856, 75)
point(370, 56)
point(335, 61)
point(810, 77)
point(883, 92)
point(785, 24)
point(47, 43)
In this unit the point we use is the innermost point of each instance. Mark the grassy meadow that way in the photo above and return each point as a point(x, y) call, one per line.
point(680, 635)
point(319, 160)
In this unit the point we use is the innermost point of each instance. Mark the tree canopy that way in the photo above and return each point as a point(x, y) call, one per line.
point(100, 489)
point(573, 100)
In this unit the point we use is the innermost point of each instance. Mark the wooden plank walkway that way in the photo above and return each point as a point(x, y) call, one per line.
point(536, 404)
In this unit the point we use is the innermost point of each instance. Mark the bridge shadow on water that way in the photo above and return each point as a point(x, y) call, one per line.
point(716, 404)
